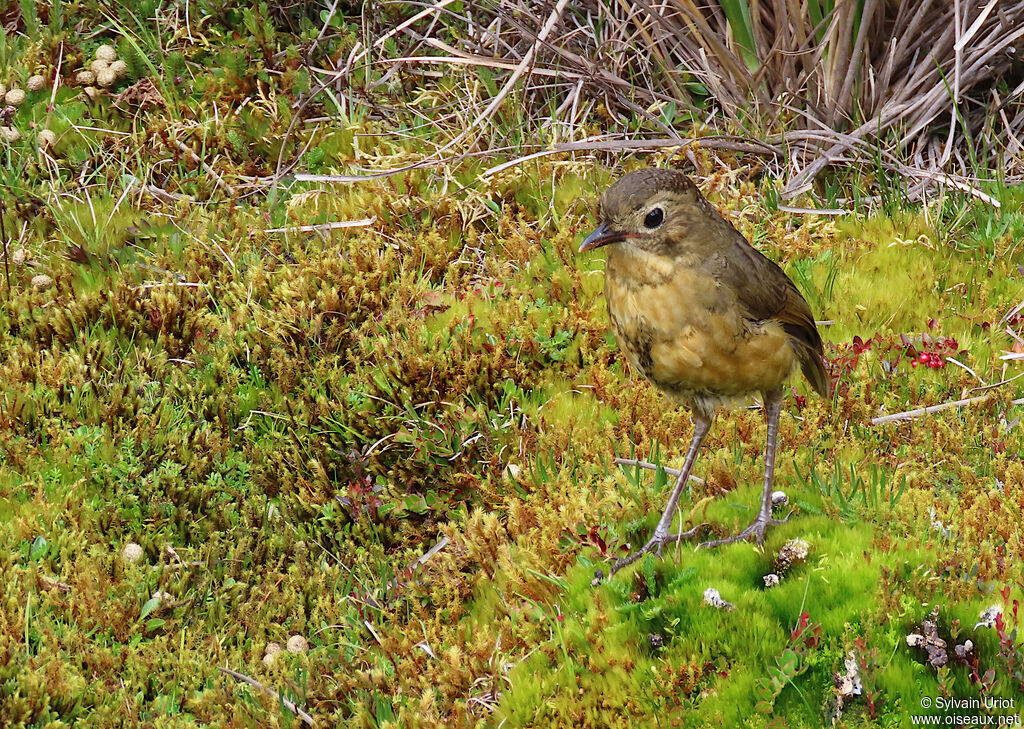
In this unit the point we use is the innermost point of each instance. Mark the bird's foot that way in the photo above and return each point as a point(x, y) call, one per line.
point(757, 530)
point(654, 545)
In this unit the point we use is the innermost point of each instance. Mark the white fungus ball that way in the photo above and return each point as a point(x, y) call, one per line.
point(270, 653)
point(106, 78)
point(35, 83)
point(15, 97)
point(106, 53)
point(132, 552)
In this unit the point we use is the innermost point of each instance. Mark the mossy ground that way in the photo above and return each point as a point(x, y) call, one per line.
point(286, 421)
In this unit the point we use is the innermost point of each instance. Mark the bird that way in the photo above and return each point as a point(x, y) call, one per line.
point(704, 316)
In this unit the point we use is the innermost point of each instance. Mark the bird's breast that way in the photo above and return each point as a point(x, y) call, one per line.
point(687, 334)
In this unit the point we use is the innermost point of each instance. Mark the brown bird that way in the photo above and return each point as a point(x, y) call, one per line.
point(701, 314)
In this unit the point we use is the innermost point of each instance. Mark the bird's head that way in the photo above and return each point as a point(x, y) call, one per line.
point(655, 210)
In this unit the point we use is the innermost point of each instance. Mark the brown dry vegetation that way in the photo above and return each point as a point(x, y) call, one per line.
point(929, 92)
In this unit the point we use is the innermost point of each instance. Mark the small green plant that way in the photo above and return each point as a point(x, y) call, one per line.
point(555, 344)
point(791, 663)
point(1011, 650)
point(820, 298)
point(853, 493)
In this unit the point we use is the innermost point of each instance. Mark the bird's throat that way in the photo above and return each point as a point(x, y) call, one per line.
point(635, 267)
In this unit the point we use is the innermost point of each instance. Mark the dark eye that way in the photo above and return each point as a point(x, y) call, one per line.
point(654, 218)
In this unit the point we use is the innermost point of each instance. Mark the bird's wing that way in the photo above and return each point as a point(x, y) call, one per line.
point(767, 293)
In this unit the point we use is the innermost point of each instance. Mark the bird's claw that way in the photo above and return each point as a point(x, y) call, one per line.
point(757, 529)
point(654, 545)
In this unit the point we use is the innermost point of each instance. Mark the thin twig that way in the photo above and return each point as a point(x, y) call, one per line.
point(911, 414)
point(162, 194)
point(212, 172)
point(337, 225)
point(1013, 312)
point(996, 384)
point(160, 285)
point(958, 363)
point(420, 561)
point(813, 211)
point(391, 589)
point(398, 29)
point(653, 467)
point(285, 702)
point(3, 235)
point(593, 145)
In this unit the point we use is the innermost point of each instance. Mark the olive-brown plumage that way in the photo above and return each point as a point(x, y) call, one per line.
point(700, 313)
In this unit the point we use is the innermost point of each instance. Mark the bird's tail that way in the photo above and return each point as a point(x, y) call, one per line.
point(812, 364)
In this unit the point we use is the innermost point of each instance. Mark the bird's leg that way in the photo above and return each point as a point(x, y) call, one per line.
point(662, 536)
point(772, 408)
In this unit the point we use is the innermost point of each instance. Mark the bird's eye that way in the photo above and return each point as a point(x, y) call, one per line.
point(654, 218)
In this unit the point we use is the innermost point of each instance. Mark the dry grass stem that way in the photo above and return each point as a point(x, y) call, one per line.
point(928, 87)
point(286, 703)
point(911, 414)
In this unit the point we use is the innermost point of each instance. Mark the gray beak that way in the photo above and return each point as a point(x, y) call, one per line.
point(602, 236)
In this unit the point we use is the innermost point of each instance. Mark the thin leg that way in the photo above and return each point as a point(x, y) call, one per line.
point(661, 537)
point(772, 408)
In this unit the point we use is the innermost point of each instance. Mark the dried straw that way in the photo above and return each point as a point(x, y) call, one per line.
point(930, 90)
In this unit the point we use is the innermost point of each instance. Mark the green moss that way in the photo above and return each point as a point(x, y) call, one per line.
point(284, 422)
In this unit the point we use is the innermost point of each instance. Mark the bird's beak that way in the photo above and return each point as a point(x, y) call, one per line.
point(602, 236)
